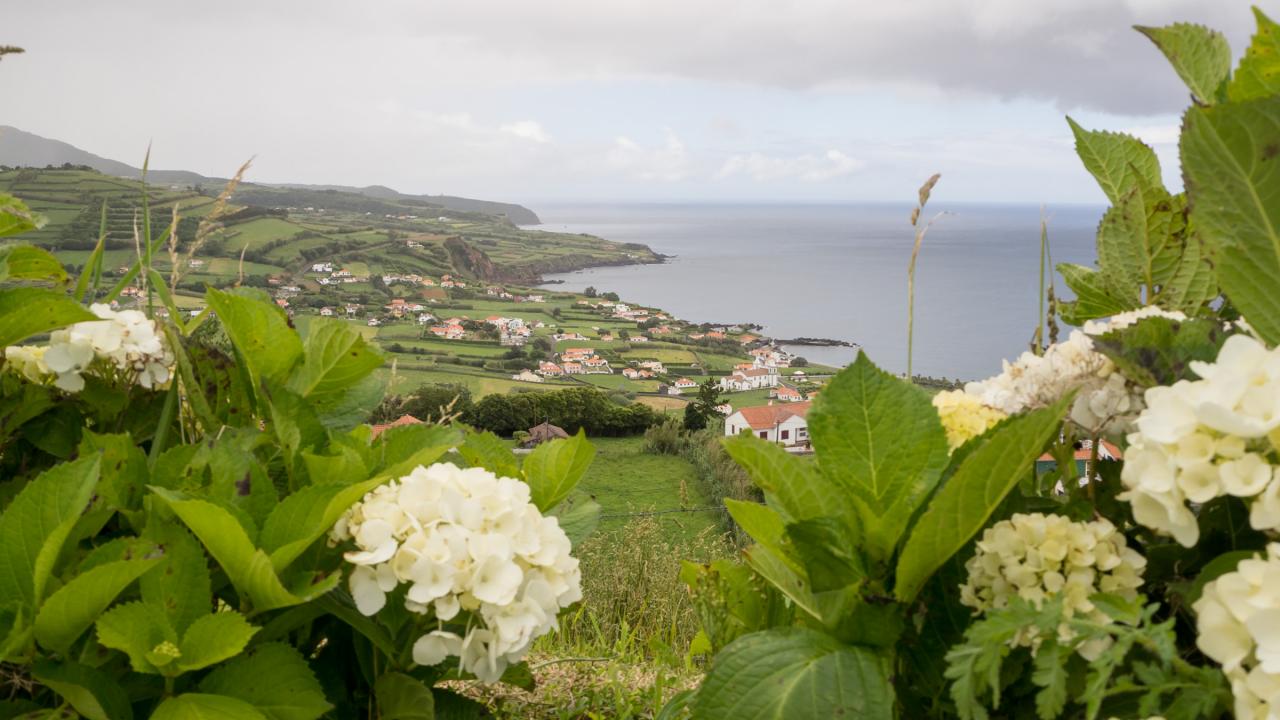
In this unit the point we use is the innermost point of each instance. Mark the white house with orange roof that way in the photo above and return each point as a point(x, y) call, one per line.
point(684, 384)
point(549, 369)
point(752, 379)
point(785, 424)
point(786, 394)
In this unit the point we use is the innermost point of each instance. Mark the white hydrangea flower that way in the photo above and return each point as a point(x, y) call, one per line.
point(1037, 557)
point(1201, 439)
point(1105, 401)
point(1130, 318)
point(127, 341)
point(1238, 626)
point(462, 540)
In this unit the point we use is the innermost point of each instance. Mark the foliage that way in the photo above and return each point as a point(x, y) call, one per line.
point(573, 409)
point(163, 548)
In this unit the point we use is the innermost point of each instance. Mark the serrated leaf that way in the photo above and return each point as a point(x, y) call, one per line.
point(828, 554)
point(401, 449)
point(16, 218)
point(335, 358)
point(1159, 351)
point(792, 486)
point(136, 629)
point(197, 706)
point(1051, 675)
point(37, 523)
point(963, 504)
point(878, 438)
point(1231, 159)
point(1093, 299)
point(27, 311)
point(259, 331)
point(1200, 56)
point(1259, 73)
point(67, 613)
point(1117, 161)
point(214, 638)
point(795, 673)
point(401, 697)
point(1124, 257)
point(275, 679)
point(26, 262)
point(91, 692)
point(554, 469)
point(483, 449)
point(303, 517)
point(180, 587)
point(249, 568)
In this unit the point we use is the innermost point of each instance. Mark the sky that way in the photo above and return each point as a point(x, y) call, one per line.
point(610, 100)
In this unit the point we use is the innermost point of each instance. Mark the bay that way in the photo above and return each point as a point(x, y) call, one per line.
point(840, 272)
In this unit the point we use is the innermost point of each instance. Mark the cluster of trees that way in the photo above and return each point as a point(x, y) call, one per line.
point(572, 409)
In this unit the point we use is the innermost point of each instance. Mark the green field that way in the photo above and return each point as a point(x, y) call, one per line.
point(626, 480)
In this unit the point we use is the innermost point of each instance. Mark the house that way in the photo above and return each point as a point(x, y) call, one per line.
point(786, 394)
point(322, 267)
point(550, 369)
point(752, 379)
point(596, 364)
point(572, 368)
point(1106, 452)
point(654, 365)
point(527, 376)
point(398, 422)
point(374, 322)
point(197, 263)
point(326, 312)
point(426, 318)
point(684, 384)
point(631, 373)
point(783, 424)
point(725, 409)
point(639, 339)
point(352, 310)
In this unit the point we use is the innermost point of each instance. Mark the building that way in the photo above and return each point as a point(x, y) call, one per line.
point(527, 376)
point(550, 369)
point(783, 424)
point(786, 394)
point(684, 384)
point(326, 312)
point(753, 379)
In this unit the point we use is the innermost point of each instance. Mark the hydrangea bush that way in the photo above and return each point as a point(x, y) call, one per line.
point(197, 524)
point(1084, 534)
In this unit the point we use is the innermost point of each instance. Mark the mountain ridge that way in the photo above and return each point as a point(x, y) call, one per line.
point(20, 148)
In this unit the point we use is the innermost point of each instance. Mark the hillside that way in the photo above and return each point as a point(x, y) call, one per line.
point(19, 148)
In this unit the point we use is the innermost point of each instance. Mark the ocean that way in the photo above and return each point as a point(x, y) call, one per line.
point(840, 272)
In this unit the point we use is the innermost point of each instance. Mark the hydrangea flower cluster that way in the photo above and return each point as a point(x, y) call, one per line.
point(126, 340)
point(963, 416)
point(1201, 439)
point(1106, 402)
point(1037, 557)
point(462, 540)
point(1238, 625)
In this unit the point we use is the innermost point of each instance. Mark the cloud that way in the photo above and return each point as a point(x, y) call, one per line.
point(810, 168)
point(668, 162)
point(527, 129)
point(1155, 134)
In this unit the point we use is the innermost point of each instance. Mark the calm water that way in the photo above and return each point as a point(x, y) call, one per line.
point(839, 271)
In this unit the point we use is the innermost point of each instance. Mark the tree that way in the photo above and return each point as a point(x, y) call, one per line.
point(799, 362)
point(590, 291)
point(699, 412)
point(428, 401)
point(611, 296)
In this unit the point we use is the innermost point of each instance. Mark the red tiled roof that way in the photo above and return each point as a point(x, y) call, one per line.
point(1085, 453)
point(766, 416)
point(402, 420)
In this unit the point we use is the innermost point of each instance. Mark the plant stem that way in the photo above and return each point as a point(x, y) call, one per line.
point(166, 419)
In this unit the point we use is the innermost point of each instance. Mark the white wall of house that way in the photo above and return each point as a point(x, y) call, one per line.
point(792, 431)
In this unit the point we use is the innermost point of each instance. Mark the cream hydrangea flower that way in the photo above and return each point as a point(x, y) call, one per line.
point(1238, 626)
point(126, 340)
point(462, 540)
point(1037, 557)
point(963, 416)
point(1201, 439)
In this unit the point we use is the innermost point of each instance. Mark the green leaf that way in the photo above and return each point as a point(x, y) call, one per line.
point(1201, 57)
point(36, 524)
point(791, 484)
point(259, 331)
point(878, 438)
point(1159, 351)
point(401, 697)
point(1093, 299)
point(249, 569)
point(136, 629)
point(27, 311)
point(16, 218)
point(483, 449)
point(452, 706)
point(124, 468)
point(1051, 675)
point(197, 706)
point(180, 586)
point(1123, 254)
point(827, 552)
point(794, 674)
point(92, 693)
point(1214, 569)
point(294, 422)
point(963, 504)
point(401, 449)
point(1259, 73)
point(1117, 161)
point(305, 516)
point(554, 469)
point(1231, 160)
point(275, 679)
point(578, 518)
point(67, 613)
point(26, 262)
point(214, 638)
point(335, 358)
